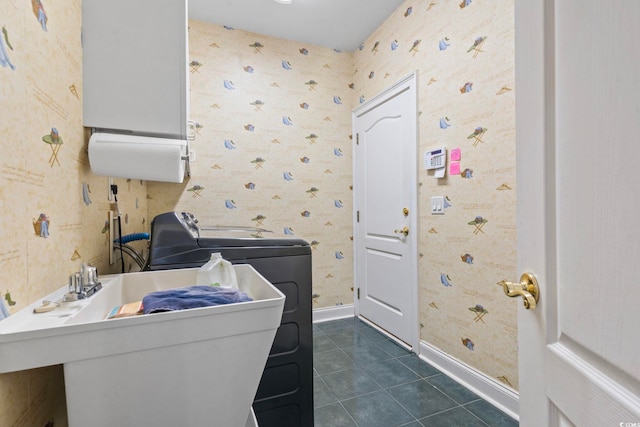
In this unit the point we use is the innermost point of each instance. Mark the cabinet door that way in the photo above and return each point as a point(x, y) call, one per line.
point(135, 66)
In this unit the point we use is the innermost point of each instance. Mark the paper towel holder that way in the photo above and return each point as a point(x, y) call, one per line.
point(149, 158)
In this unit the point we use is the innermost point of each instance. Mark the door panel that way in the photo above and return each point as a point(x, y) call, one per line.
point(577, 107)
point(385, 182)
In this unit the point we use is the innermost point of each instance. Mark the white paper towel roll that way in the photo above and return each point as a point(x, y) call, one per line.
point(137, 157)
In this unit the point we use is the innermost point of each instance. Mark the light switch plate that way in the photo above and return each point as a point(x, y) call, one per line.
point(437, 205)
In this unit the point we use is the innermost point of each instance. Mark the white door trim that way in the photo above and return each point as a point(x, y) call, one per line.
point(409, 82)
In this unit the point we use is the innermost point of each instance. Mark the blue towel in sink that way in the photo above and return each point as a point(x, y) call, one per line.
point(191, 297)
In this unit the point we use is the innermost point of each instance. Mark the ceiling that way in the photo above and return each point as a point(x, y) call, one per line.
point(336, 24)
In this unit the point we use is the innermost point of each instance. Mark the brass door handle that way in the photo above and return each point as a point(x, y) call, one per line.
point(527, 289)
point(404, 231)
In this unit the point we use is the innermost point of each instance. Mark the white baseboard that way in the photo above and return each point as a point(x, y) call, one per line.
point(333, 313)
point(484, 386)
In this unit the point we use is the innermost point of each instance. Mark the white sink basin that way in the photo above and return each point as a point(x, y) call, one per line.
point(207, 361)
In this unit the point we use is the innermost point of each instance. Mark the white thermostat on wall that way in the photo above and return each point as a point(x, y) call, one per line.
point(436, 159)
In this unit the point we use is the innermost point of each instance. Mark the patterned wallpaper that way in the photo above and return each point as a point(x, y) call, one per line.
point(464, 54)
point(53, 209)
point(274, 150)
point(273, 146)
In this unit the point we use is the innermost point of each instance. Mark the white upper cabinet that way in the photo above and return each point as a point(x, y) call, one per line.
point(135, 66)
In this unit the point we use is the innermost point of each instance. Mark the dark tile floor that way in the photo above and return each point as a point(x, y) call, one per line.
point(362, 378)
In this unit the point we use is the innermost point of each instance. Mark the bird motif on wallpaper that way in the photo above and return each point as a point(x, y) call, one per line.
point(229, 144)
point(228, 28)
point(249, 127)
point(313, 192)
point(230, 204)
point(338, 204)
point(372, 75)
point(409, 11)
point(248, 69)
point(287, 176)
point(465, 3)
point(352, 85)
point(312, 138)
point(305, 214)
point(337, 152)
point(250, 186)
point(337, 100)
point(286, 65)
point(228, 84)
point(314, 244)
point(362, 99)
point(305, 159)
point(303, 51)
point(287, 121)
point(444, 122)
point(312, 84)
point(339, 255)
point(504, 187)
point(468, 343)
point(447, 202)
point(361, 47)
point(38, 11)
point(337, 50)
point(304, 106)
point(288, 231)
point(445, 280)
point(374, 49)
point(444, 43)
point(394, 45)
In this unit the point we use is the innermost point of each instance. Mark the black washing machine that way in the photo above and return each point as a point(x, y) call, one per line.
point(285, 394)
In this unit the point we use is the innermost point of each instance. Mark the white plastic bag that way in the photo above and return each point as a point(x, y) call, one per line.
point(217, 272)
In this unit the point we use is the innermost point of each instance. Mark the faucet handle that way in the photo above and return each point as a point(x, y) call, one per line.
point(92, 275)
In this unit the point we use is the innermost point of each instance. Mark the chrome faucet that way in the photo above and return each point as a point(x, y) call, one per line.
point(83, 284)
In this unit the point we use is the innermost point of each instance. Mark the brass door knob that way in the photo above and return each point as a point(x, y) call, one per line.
point(404, 230)
point(527, 289)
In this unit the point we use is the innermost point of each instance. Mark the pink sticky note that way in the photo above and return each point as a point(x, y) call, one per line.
point(456, 154)
point(454, 168)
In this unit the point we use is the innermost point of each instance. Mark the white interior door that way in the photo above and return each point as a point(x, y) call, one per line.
point(385, 188)
point(578, 124)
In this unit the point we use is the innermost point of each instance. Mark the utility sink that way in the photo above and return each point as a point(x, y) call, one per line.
point(192, 367)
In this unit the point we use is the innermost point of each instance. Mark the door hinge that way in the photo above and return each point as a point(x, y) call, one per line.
point(358, 216)
point(358, 293)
